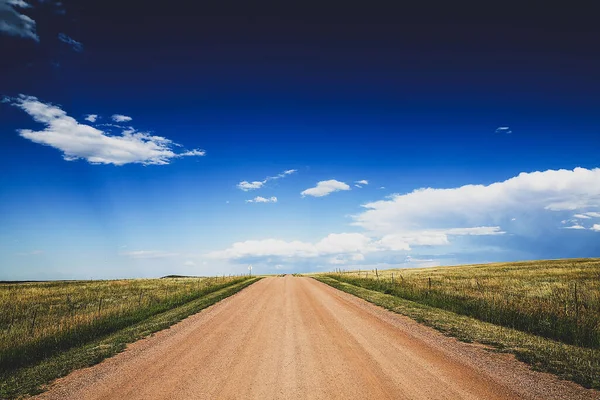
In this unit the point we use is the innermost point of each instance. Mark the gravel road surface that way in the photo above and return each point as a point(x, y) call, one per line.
point(296, 338)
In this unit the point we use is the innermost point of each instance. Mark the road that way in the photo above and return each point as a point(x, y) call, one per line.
point(296, 338)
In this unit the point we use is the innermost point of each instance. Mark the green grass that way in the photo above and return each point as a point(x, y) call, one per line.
point(502, 305)
point(169, 302)
point(555, 299)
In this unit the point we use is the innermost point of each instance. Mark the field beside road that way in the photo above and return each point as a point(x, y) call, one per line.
point(49, 328)
point(546, 312)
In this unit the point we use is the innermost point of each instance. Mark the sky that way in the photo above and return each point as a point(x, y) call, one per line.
point(140, 139)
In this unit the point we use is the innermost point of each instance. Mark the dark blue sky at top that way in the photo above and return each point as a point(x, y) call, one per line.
point(411, 94)
point(433, 85)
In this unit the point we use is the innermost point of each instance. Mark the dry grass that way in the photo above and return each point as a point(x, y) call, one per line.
point(557, 299)
point(40, 319)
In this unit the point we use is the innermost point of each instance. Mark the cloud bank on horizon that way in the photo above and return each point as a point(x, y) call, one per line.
point(430, 219)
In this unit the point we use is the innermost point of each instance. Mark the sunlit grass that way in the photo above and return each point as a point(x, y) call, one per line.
point(40, 319)
point(554, 299)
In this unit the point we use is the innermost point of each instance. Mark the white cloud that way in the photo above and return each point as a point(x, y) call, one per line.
point(75, 45)
point(189, 263)
point(324, 188)
point(581, 216)
point(483, 204)
point(260, 199)
point(265, 248)
point(503, 129)
point(335, 243)
point(148, 254)
point(465, 220)
point(361, 183)
point(80, 141)
point(246, 186)
point(346, 246)
point(576, 226)
point(121, 118)
point(587, 215)
point(13, 23)
point(91, 117)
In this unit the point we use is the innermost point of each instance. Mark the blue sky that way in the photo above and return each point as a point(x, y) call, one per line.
point(124, 151)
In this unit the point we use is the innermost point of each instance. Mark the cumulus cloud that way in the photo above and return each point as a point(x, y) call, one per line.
point(259, 199)
point(503, 129)
point(446, 222)
point(541, 192)
point(91, 117)
point(80, 141)
point(246, 186)
point(75, 45)
point(13, 23)
point(325, 188)
point(121, 118)
point(363, 182)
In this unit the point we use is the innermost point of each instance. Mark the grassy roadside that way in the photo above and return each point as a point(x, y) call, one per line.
point(581, 365)
point(556, 299)
point(30, 380)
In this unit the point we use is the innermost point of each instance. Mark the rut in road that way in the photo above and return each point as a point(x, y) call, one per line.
point(296, 338)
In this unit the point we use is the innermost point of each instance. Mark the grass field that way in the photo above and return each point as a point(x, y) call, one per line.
point(38, 320)
point(556, 301)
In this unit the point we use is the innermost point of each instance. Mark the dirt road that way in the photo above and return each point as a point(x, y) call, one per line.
point(296, 338)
